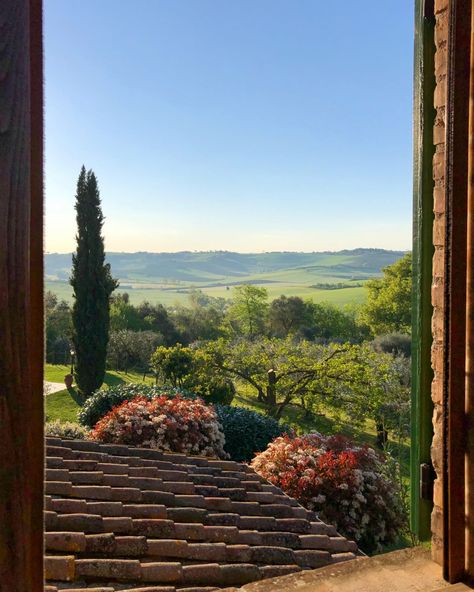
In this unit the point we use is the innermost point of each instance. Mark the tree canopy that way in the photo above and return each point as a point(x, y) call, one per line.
point(388, 308)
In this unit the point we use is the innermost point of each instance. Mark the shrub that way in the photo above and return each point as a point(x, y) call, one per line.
point(172, 424)
point(393, 343)
point(216, 391)
point(65, 429)
point(346, 484)
point(104, 401)
point(246, 432)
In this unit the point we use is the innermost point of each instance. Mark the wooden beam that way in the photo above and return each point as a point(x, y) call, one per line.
point(21, 296)
point(469, 401)
point(457, 114)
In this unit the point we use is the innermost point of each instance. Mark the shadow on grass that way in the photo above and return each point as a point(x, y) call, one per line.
point(113, 379)
point(76, 396)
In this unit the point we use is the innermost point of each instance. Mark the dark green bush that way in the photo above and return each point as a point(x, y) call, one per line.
point(102, 402)
point(393, 343)
point(247, 432)
point(219, 392)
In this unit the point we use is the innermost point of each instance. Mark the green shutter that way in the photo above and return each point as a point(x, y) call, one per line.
point(424, 117)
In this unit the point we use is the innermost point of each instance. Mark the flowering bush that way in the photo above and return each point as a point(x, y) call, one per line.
point(65, 429)
point(345, 484)
point(171, 424)
point(104, 401)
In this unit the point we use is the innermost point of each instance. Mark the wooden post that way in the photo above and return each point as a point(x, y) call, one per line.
point(21, 296)
point(457, 153)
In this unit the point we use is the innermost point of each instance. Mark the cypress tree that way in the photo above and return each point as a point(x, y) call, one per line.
point(92, 285)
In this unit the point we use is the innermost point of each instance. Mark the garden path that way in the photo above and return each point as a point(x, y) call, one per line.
point(53, 387)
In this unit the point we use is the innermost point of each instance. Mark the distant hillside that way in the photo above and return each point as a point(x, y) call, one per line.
point(200, 267)
point(169, 277)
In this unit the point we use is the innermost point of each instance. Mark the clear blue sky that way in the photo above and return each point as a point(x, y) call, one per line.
point(248, 125)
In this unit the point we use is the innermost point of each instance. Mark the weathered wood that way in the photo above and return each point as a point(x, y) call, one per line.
point(455, 435)
point(469, 402)
point(21, 296)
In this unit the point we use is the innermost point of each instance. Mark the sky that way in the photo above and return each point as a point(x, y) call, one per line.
point(243, 125)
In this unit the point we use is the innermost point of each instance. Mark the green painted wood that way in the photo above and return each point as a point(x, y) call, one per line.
point(424, 117)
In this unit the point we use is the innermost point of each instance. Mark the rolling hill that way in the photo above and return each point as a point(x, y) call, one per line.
point(168, 277)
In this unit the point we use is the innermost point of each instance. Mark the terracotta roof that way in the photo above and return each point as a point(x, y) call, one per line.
point(124, 518)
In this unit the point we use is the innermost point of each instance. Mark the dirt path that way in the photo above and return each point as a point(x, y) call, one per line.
point(53, 387)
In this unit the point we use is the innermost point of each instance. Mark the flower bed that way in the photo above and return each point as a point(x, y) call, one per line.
point(345, 484)
point(169, 424)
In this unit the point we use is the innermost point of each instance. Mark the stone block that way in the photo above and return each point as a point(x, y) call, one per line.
point(281, 539)
point(187, 514)
point(72, 542)
point(118, 524)
point(107, 509)
point(126, 494)
point(189, 532)
point(239, 574)
point(207, 551)
point(167, 548)
point(114, 569)
point(312, 559)
point(206, 573)
point(100, 544)
point(60, 568)
point(80, 522)
point(273, 571)
point(154, 528)
point(225, 534)
point(272, 555)
point(131, 546)
point(238, 553)
point(155, 511)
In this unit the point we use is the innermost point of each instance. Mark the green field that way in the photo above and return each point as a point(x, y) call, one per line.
point(179, 295)
point(168, 278)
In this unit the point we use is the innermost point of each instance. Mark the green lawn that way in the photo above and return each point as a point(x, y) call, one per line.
point(56, 373)
point(64, 405)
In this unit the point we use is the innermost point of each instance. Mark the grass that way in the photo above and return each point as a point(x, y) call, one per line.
point(168, 296)
point(56, 373)
point(64, 405)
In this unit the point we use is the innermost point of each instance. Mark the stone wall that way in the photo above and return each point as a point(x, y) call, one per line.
point(441, 37)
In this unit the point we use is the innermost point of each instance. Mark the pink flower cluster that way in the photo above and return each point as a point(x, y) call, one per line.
point(169, 424)
point(345, 484)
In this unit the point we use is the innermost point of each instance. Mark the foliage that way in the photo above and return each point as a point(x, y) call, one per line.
point(103, 401)
point(201, 319)
point(388, 308)
point(65, 429)
point(156, 318)
point(283, 371)
point(288, 314)
point(173, 364)
point(247, 432)
point(393, 343)
point(172, 424)
point(124, 315)
point(345, 484)
point(247, 315)
point(216, 391)
point(92, 284)
point(131, 349)
point(58, 327)
point(329, 323)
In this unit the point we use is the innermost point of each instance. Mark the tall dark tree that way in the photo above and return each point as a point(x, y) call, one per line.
point(92, 285)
